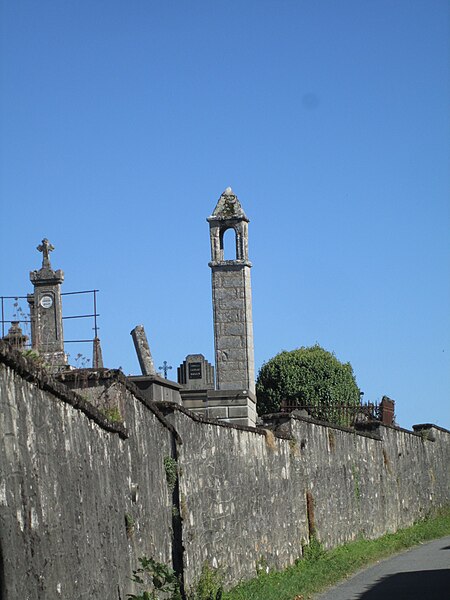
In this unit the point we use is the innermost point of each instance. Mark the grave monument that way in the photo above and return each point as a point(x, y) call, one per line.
point(46, 310)
point(233, 398)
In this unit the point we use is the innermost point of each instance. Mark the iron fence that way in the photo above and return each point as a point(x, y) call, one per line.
point(347, 415)
point(13, 312)
point(16, 312)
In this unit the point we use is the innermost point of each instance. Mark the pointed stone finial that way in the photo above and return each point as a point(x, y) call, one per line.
point(97, 356)
point(45, 247)
point(228, 207)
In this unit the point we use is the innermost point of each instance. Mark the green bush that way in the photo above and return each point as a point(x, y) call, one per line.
point(306, 377)
point(209, 586)
point(159, 579)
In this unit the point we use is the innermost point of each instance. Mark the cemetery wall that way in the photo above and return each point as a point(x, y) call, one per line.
point(252, 498)
point(240, 504)
point(83, 497)
point(368, 484)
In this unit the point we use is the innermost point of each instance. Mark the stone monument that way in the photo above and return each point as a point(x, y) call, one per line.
point(233, 400)
point(143, 350)
point(232, 298)
point(15, 336)
point(46, 310)
point(196, 373)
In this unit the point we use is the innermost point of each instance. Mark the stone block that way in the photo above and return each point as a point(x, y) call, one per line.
point(224, 293)
point(237, 354)
point(230, 341)
point(229, 303)
point(226, 316)
point(233, 329)
point(234, 280)
point(238, 411)
point(239, 421)
point(191, 404)
point(238, 401)
point(233, 376)
point(217, 412)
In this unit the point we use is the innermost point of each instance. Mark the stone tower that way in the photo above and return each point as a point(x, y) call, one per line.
point(46, 310)
point(232, 298)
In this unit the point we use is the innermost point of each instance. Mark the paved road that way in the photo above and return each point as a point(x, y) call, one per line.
point(422, 573)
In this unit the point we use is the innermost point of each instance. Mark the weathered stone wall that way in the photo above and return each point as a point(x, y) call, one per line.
point(78, 503)
point(369, 484)
point(239, 500)
point(82, 497)
point(251, 498)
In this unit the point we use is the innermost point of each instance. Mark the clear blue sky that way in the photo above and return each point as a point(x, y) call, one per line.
point(123, 121)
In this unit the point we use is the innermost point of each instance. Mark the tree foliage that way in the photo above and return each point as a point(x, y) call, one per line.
point(306, 377)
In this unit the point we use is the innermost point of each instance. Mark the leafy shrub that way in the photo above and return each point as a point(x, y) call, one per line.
point(162, 580)
point(209, 586)
point(306, 377)
point(171, 470)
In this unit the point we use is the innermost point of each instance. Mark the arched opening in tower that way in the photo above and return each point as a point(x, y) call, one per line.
point(228, 244)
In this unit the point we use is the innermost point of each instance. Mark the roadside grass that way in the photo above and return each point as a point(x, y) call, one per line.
point(320, 569)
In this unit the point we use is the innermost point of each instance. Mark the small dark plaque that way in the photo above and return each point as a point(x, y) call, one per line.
point(195, 370)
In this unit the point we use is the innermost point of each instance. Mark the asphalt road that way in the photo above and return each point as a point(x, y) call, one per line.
point(421, 573)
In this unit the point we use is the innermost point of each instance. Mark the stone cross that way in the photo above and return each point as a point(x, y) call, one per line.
point(45, 248)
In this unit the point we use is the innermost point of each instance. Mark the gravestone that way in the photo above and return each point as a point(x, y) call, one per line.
point(196, 373)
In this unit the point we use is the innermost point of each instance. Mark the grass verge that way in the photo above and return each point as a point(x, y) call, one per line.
point(319, 569)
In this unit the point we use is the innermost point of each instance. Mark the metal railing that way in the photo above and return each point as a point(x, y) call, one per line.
point(17, 312)
point(94, 315)
point(346, 415)
point(18, 315)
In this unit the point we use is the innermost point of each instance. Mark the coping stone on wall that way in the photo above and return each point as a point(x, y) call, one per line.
point(281, 422)
point(169, 407)
point(422, 426)
point(117, 376)
point(372, 429)
point(45, 381)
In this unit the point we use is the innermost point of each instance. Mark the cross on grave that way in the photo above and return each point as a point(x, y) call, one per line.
point(165, 367)
point(45, 247)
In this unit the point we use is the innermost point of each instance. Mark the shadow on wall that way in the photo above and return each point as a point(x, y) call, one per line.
point(2, 576)
point(414, 585)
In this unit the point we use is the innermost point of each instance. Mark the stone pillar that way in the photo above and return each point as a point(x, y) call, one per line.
point(232, 298)
point(46, 310)
point(387, 408)
point(143, 350)
point(97, 356)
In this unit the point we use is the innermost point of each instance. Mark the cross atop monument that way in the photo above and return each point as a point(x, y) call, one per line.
point(45, 247)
